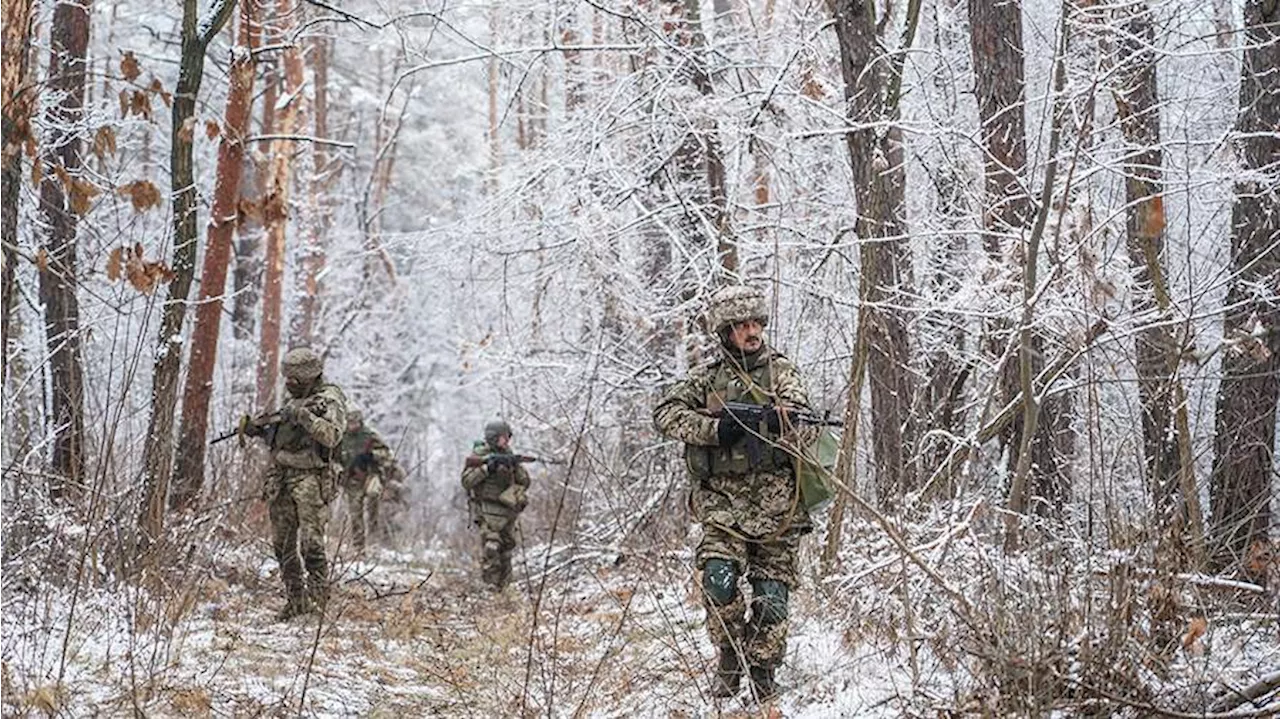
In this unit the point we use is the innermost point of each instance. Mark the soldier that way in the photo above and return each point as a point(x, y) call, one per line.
point(366, 461)
point(743, 489)
point(301, 480)
point(497, 487)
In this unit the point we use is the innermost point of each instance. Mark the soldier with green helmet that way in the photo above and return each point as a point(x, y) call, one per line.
point(368, 464)
point(301, 480)
point(497, 488)
point(743, 488)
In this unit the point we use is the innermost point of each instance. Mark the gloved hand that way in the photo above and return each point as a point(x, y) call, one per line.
point(729, 429)
point(289, 413)
point(495, 463)
point(773, 418)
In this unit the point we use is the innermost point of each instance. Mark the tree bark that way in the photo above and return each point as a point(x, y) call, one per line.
point(188, 477)
point(16, 101)
point(69, 36)
point(1245, 423)
point(871, 90)
point(276, 208)
point(158, 450)
point(247, 278)
point(309, 303)
point(1166, 437)
point(995, 28)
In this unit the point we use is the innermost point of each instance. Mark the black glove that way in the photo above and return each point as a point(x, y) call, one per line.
point(729, 429)
point(773, 419)
point(496, 463)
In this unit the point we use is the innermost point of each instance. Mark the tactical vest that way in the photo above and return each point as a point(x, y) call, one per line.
point(727, 385)
point(294, 447)
point(494, 484)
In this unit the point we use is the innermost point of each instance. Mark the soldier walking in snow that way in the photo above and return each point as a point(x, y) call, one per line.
point(743, 489)
point(300, 483)
point(497, 486)
point(367, 464)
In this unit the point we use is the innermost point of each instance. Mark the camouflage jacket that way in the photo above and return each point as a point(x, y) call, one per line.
point(363, 452)
point(311, 441)
point(744, 489)
point(483, 485)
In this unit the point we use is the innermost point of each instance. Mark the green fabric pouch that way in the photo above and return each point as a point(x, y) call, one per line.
point(814, 468)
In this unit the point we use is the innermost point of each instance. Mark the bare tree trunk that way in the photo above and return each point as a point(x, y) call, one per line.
point(1166, 440)
point(16, 110)
point(1245, 426)
point(303, 330)
point(872, 84)
point(276, 208)
point(188, 476)
point(247, 278)
point(158, 451)
point(69, 36)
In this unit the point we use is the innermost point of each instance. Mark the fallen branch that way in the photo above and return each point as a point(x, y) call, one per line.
point(1264, 686)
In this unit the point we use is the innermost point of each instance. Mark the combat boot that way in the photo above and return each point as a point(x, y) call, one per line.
point(728, 674)
point(762, 685)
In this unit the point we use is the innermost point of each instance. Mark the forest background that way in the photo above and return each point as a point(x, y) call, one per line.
point(518, 211)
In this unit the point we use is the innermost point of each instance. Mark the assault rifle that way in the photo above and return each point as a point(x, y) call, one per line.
point(755, 417)
point(751, 415)
point(264, 425)
point(495, 461)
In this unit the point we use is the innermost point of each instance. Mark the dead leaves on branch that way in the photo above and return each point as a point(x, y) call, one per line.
point(80, 192)
point(142, 194)
point(143, 274)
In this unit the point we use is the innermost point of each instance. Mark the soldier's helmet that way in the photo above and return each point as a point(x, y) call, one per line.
point(494, 429)
point(735, 303)
point(355, 416)
point(302, 363)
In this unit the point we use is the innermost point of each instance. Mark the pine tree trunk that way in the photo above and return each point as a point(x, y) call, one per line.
point(69, 36)
point(158, 451)
point(309, 303)
point(247, 278)
point(188, 477)
point(1245, 427)
point(1165, 435)
point(16, 108)
point(871, 89)
point(276, 209)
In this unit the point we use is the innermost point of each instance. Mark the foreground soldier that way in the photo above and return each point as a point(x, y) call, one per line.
point(497, 487)
point(743, 488)
point(367, 462)
point(300, 482)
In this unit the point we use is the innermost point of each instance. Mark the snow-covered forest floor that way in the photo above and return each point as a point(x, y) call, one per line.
point(618, 633)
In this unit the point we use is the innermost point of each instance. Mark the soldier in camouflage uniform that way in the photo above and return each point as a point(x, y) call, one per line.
point(366, 461)
point(496, 494)
point(743, 488)
point(301, 480)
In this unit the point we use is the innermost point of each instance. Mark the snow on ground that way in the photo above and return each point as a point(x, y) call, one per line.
point(415, 634)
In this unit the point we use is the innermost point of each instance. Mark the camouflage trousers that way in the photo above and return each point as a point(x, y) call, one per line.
point(362, 513)
point(762, 639)
point(497, 525)
point(298, 516)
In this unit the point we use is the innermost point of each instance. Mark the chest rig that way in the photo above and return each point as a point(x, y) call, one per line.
point(732, 384)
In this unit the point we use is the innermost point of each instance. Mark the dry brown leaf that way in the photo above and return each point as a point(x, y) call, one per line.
point(248, 210)
point(212, 129)
point(142, 194)
point(810, 87)
point(37, 172)
point(144, 275)
point(158, 88)
point(42, 260)
point(140, 104)
point(1151, 216)
point(129, 67)
point(1195, 629)
point(104, 142)
point(114, 261)
point(124, 103)
point(82, 194)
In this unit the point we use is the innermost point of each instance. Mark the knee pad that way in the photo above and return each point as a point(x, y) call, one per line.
point(720, 580)
point(770, 600)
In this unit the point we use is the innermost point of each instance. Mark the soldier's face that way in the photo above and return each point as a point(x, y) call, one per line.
point(746, 335)
point(502, 441)
point(297, 387)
